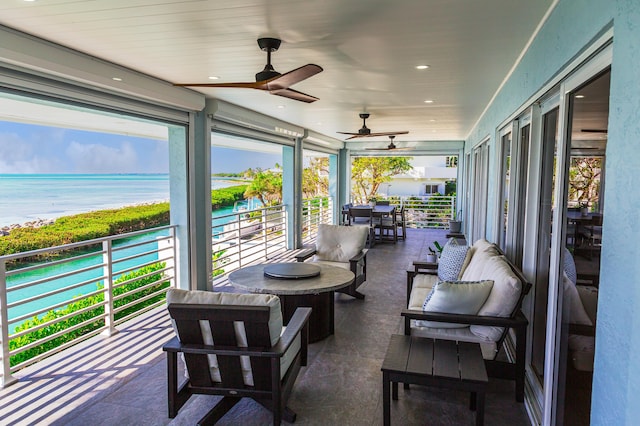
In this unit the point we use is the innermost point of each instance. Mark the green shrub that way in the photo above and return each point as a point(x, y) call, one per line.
point(80, 303)
point(103, 223)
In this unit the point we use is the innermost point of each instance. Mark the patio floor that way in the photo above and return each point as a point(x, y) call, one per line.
point(121, 380)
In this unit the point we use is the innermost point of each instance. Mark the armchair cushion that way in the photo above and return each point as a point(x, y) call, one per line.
point(340, 243)
point(455, 297)
point(275, 325)
point(451, 261)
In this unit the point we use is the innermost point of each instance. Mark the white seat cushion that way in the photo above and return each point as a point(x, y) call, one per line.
point(488, 347)
point(275, 325)
point(337, 243)
point(422, 284)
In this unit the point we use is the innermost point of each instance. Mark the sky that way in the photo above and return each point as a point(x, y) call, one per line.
point(29, 148)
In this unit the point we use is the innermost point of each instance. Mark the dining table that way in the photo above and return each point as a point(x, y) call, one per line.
point(378, 210)
point(295, 290)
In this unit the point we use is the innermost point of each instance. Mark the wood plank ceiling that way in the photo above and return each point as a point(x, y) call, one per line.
point(369, 50)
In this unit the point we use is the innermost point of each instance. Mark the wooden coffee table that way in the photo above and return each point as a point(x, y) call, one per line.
point(434, 362)
point(314, 292)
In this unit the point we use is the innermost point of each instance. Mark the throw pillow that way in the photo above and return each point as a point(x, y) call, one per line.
point(451, 261)
point(569, 266)
point(455, 297)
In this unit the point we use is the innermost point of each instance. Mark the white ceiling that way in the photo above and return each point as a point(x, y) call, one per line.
point(368, 49)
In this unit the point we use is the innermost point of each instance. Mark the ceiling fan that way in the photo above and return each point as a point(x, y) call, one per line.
point(269, 79)
point(391, 146)
point(365, 132)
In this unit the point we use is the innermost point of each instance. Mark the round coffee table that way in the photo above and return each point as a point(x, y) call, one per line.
point(315, 292)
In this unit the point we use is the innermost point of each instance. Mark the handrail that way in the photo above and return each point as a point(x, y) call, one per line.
point(429, 211)
point(71, 299)
point(257, 235)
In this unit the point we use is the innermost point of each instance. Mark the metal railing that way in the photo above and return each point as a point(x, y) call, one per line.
point(434, 211)
point(314, 212)
point(54, 297)
point(251, 236)
point(246, 237)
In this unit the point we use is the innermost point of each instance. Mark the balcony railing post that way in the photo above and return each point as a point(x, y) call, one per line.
point(239, 239)
point(7, 378)
point(308, 218)
point(453, 208)
point(265, 222)
point(109, 314)
point(283, 223)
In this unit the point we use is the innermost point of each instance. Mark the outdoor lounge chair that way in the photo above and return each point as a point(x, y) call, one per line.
point(342, 246)
point(234, 345)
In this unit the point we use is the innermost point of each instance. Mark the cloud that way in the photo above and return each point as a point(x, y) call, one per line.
point(99, 158)
point(18, 155)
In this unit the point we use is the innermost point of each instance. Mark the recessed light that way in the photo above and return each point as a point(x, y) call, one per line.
point(428, 101)
point(432, 120)
point(116, 79)
point(579, 96)
point(214, 77)
point(29, 1)
point(422, 67)
point(280, 106)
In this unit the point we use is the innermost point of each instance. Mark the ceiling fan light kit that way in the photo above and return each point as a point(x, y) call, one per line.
point(271, 80)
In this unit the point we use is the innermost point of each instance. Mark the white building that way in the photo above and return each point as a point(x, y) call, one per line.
point(429, 175)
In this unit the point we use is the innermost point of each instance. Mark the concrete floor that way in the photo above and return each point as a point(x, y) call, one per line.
point(122, 380)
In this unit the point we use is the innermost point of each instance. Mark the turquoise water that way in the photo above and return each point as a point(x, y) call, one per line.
point(28, 197)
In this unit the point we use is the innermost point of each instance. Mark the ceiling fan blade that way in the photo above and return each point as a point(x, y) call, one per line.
point(407, 148)
point(257, 85)
point(594, 130)
point(373, 135)
point(292, 77)
point(294, 94)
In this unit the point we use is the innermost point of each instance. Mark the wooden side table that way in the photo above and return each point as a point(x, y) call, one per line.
point(434, 362)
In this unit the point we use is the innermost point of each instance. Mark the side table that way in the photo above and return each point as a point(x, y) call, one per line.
point(434, 362)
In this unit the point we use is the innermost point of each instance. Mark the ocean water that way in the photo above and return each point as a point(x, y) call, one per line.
point(29, 197)
point(25, 198)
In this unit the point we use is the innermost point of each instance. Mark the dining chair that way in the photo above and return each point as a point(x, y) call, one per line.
point(401, 223)
point(387, 227)
point(363, 216)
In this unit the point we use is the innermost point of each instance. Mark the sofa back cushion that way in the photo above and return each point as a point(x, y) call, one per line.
point(477, 268)
point(337, 243)
point(504, 295)
point(198, 297)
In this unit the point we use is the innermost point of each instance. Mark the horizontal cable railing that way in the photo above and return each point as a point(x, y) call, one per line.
point(54, 297)
point(257, 235)
point(314, 212)
point(429, 211)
